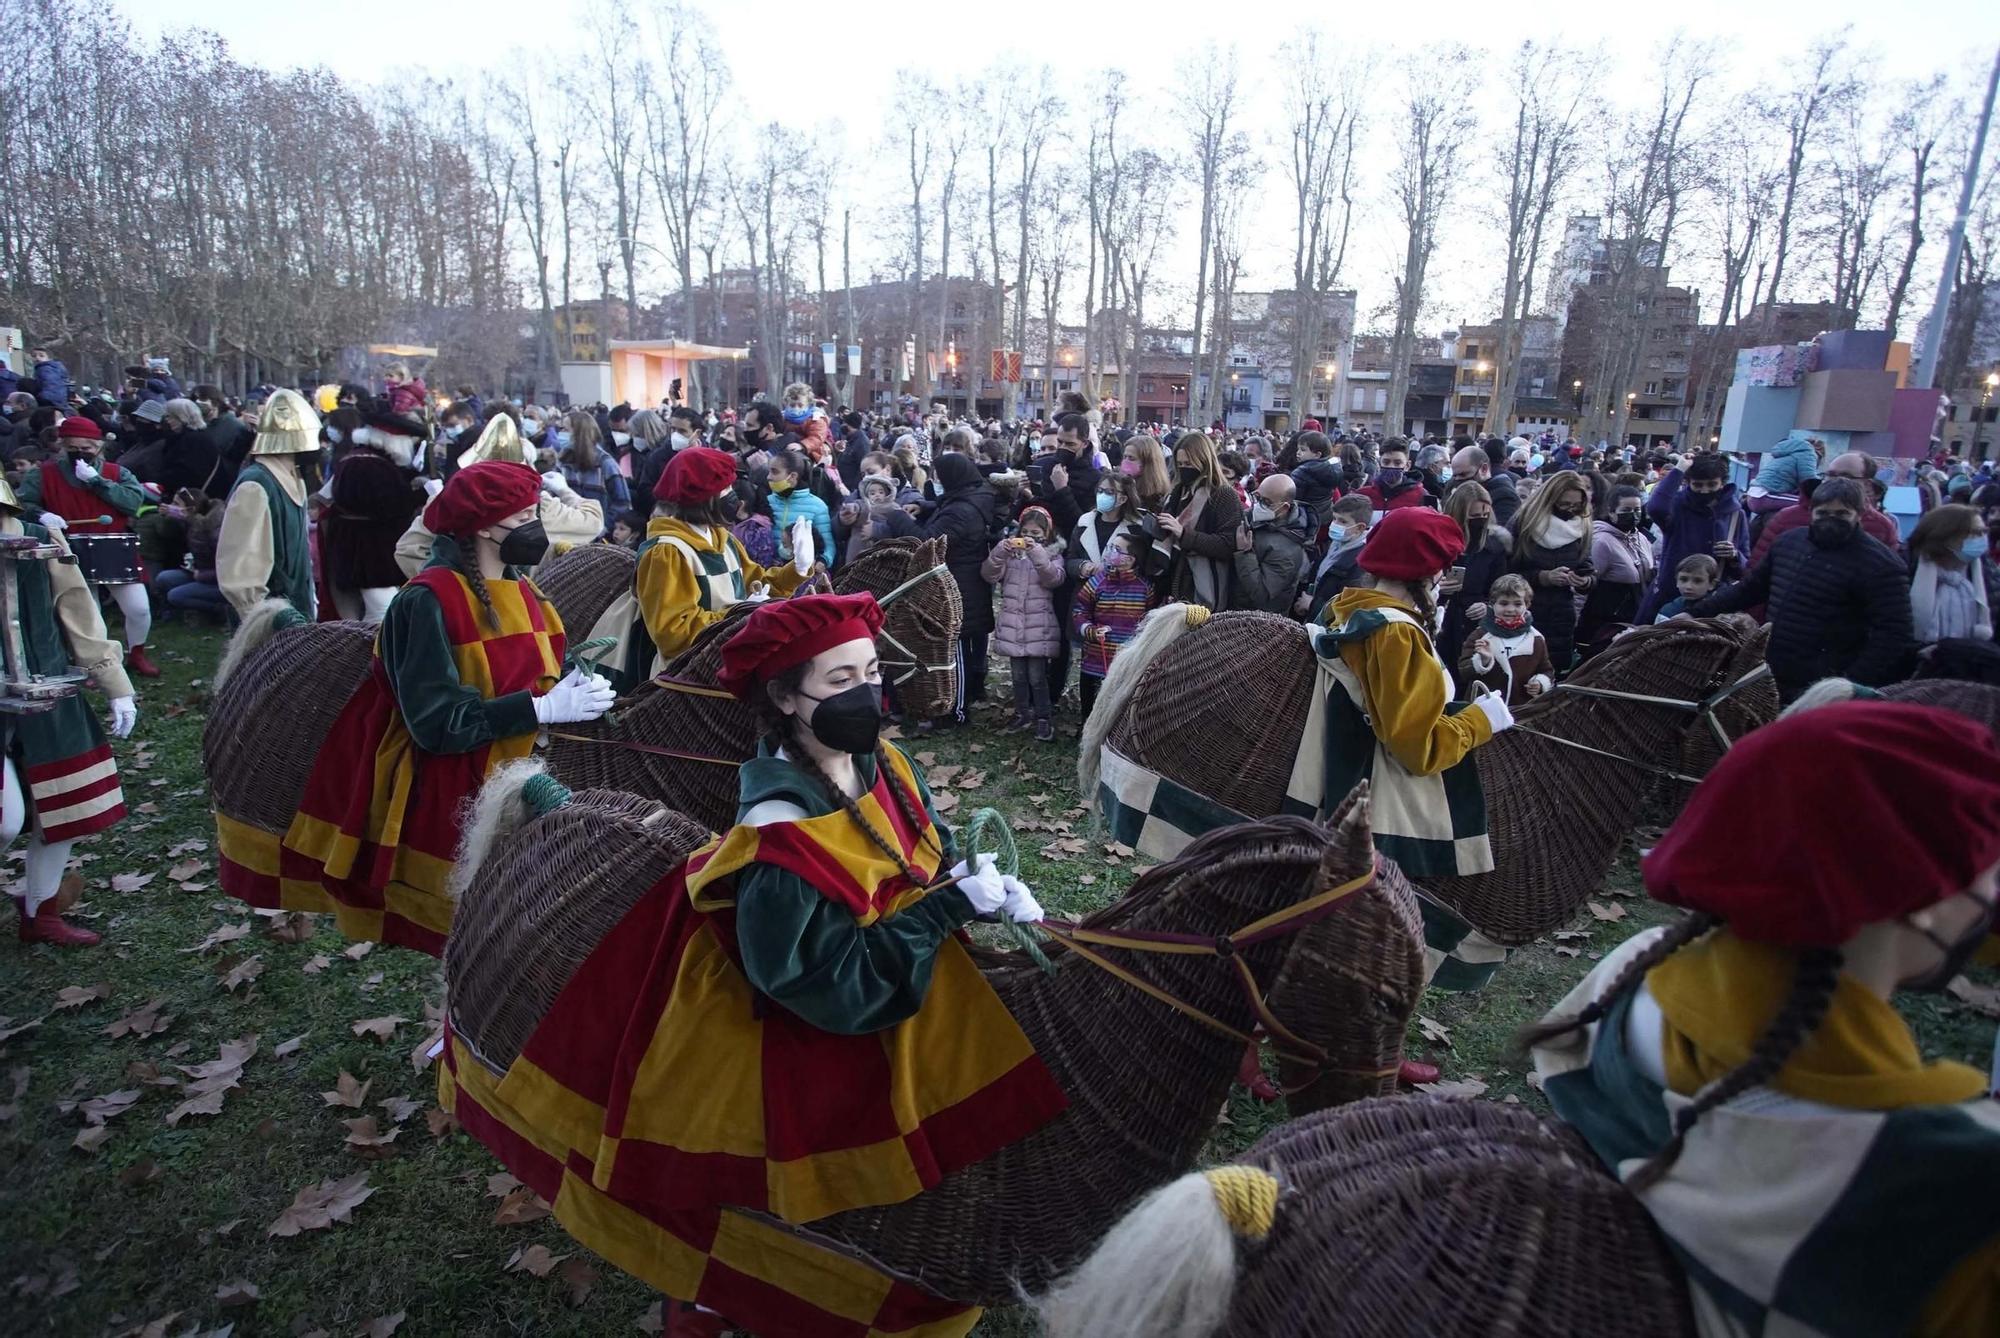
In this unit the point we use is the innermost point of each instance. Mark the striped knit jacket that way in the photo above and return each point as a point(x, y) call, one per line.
point(1115, 602)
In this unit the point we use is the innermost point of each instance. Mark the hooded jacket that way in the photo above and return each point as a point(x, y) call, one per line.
point(968, 519)
point(1268, 576)
point(1690, 523)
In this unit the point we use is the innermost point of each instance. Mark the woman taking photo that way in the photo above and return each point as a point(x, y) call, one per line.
point(1552, 550)
point(1949, 597)
point(1199, 523)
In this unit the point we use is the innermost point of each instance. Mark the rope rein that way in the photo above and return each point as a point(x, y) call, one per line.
point(1705, 708)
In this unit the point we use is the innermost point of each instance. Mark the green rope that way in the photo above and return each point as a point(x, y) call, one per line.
point(286, 619)
point(575, 655)
point(990, 824)
point(544, 794)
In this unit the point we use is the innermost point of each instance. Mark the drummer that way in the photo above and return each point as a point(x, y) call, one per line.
point(86, 495)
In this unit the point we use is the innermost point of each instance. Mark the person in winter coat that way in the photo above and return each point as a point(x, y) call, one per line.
point(880, 518)
point(1316, 478)
point(1069, 491)
point(1787, 465)
point(1697, 512)
point(1839, 601)
point(1027, 569)
point(50, 379)
point(1504, 651)
point(1347, 531)
point(1110, 605)
point(1624, 562)
point(1552, 551)
point(1473, 465)
point(788, 500)
point(1114, 514)
point(1851, 465)
point(1271, 551)
point(968, 519)
point(591, 471)
point(1395, 486)
point(1948, 594)
point(1199, 521)
point(1484, 561)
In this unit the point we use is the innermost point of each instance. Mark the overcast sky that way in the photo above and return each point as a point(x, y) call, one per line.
point(799, 63)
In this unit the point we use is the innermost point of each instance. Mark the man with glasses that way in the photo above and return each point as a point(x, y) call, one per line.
point(1853, 465)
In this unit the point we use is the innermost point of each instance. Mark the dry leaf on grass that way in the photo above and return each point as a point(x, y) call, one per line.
point(653, 1319)
point(76, 996)
point(500, 1184)
point(147, 1074)
point(1980, 998)
point(10, 1029)
point(926, 760)
point(139, 1173)
point(290, 927)
point(221, 935)
point(348, 1092)
point(381, 1028)
point(1569, 952)
point(579, 1277)
point(320, 1206)
point(535, 1260)
point(1435, 1032)
point(317, 963)
point(354, 952)
point(186, 869)
point(131, 882)
point(144, 1020)
point(93, 1138)
point(400, 1108)
point(240, 1292)
point(241, 974)
point(109, 1106)
point(366, 1140)
point(520, 1205)
point(971, 780)
point(290, 1047)
point(1600, 911)
point(944, 801)
point(440, 1121)
point(382, 1326)
point(1463, 1089)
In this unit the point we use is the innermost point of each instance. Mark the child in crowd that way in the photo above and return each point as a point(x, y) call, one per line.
point(405, 393)
point(789, 500)
point(627, 529)
point(1109, 607)
point(1505, 652)
point(1027, 569)
point(808, 423)
point(1346, 532)
point(751, 528)
point(1695, 578)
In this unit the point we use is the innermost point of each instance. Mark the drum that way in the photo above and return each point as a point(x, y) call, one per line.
point(107, 559)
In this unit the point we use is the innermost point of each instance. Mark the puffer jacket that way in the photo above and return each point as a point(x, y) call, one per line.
point(1268, 576)
point(968, 518)
point(1027, 577)
point(1835, 612)
point(1690, 523)
point(1787, 465)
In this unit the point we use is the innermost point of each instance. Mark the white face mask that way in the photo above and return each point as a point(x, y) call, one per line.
point(679, 439)
point(1261, 514)
point(621, 439)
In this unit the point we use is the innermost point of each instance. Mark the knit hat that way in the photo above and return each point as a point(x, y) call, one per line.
point(697, 474)
point(1768, 842)
point(152, 411)
point(482, 494)
point(786, 632)
point(288, 426)
point(1040, 513)
point(79, 428)
point(1412, 543)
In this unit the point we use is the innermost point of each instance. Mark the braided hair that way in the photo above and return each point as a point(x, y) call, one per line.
point(465, 564)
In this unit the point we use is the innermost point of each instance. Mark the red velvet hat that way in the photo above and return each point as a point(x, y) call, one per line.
point(697, 474)
point(78, 428)
point(1411, 543)
point(480, 495)
point(787, 632)
point(1833, 819)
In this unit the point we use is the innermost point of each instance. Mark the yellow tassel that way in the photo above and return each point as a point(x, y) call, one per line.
point(1196, 615)
point(1247, 1198)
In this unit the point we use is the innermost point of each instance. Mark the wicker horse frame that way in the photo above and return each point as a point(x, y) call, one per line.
point(1144, 1079)
point(1556, 813)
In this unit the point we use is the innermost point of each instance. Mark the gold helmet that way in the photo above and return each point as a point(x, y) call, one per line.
point(289, 426)
point(500, 441)
point(7, 497)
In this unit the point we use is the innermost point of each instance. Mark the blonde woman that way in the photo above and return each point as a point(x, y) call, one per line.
point(1146, 465)
point(1199, 521)
point(1552, 550)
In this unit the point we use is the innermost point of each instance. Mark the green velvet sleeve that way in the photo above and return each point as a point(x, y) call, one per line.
point(807, 952)
point(443, 714)
point(121, 494)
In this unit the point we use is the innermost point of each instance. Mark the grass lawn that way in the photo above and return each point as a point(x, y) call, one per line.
point(164, 1222)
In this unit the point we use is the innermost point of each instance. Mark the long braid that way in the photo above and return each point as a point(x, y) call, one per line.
point(804, 761)
point(1803, 1010)
point(1678, 936)
point(906, 802)
point(467, 565)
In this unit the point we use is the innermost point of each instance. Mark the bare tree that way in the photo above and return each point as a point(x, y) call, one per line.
point(611, 105)
point(1323, 111)
point(1434, 128)
point(915, 127)
point(1207, 105)
point(684, 126)
point(1919, 120)
point(1824, 83)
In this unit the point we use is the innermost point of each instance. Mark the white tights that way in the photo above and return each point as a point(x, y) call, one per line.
point(133, 602)
point(367, 605)
point(46, 862)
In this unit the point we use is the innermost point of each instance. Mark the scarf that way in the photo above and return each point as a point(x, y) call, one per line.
point(1555, 533)
point(1947, 604)
point(1494, 629)
point(1717, 995)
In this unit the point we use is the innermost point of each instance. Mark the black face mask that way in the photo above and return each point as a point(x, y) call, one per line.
point(1389, 478)
point(1956, 955)
point(525, 545)
point(1065, 457)
point(1475, 535)
point(1829, 531)
point(850, 720)
point(1627, 521)
point(1188, 474)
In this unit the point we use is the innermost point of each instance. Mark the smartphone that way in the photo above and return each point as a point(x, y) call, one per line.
point(1037, 474)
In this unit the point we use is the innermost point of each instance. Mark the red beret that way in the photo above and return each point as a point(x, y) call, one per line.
point(78, 428)
point(1411, 543)
point(1310, 425)
point(787, 632)
point(480, 495)
point(1833, 819)
point(697, 474)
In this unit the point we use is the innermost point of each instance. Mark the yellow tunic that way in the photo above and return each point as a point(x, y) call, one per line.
point(672, 595)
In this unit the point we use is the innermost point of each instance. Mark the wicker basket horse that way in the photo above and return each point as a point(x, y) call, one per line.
point(1561, 788)
point(583, 581)
point(281, 687)
point(1145, 1057)
point(1451, 1219)
point(680, 738)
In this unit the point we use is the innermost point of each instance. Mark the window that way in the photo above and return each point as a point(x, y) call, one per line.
point(958, 309)
point(1652, 387)
point(1381, 399)
point(1672, 385)
point(1146, 387)
point(1240, 401)
point(1281, 401)
point(1360, 399)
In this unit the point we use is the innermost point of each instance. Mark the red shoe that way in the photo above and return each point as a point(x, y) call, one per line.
point(48, 926)
point(136, 661)
point(1414, 1072)
point(1251, 1074)
point(688, 1321)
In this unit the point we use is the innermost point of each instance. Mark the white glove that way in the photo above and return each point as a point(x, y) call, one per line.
point(49, 520)
point(124, 715)
point(432, 487)
point(580, 696)
point(85, 472)
point(759, 593)
point(1494, 707)
point(984, 886)
point(1020, 905)
point(802, 546)
point(555, 482)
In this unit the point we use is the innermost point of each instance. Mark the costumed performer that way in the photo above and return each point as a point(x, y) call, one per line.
point(264, 550)
point(1746, 1072)
point(374, 493)
point(60, 781)
point(466, 670)
point(82, 493)
point(808, 1033)
point(691, 568)
point(568, 519)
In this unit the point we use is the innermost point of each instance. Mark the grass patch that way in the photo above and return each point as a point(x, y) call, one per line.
point(160, 1218)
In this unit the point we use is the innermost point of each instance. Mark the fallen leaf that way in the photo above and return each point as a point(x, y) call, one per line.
point(290, 1047)
point(500, 1184)
point(440, 1121)
point(207, 1102)
point(221, 935)
point(230, 1058)
point(229, 1226)
point(1435, 1032)
point(1038, 800)
point(971, 780)
point(19, 1076)
point(109, 1106)
point(142, 1021)
point(183, 847)
point(147, 1074)
point(132, 882)
point(653, 1319)
point(926, 760)
point(975, 749)
point(382, 1326)
point(535, 1260)
point(381, 1028)
point(1571, 935)
point(520, 1205)
point(240, 1292)
point(944, 801)
point(186, 869)
point(354, 952)
point(1569, 952)
point(400, 1108)
point(93, 1138)
point(76, 996)
point(1086, 880)
point(348, 1092)
point(139, 1173)
point(579, 1277)
point(317, 963)
point(368, 1141)
point(1462, 1089)
point(8, 1032)
point(152, 1328)
point(320, 1206)
point(1599, 911)
point(242, 973)
point(1980, 998)
point(291, 927)
point(426, 1051)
